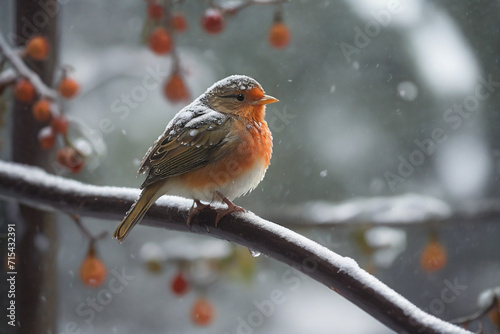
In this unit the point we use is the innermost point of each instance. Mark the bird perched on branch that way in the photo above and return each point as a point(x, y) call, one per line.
point(215, 149)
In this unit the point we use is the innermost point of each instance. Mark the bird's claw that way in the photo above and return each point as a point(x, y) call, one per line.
point(194, 210)
point(231, 207)
point(198, 206)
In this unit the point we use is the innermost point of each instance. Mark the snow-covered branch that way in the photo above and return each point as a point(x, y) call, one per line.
point(393, 211)
point(33, 186)
point(23, 70)
point(7, 77)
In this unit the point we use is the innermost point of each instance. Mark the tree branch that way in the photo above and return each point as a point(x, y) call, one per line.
point(401, 211)
point(33, 186)
point(23, 70)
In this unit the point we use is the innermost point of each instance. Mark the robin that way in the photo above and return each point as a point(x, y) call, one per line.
point(215, 149)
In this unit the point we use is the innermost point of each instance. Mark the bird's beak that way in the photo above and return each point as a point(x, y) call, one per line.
point(266, 99)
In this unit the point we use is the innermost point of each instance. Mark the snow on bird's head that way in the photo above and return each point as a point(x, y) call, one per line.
point(233, 83)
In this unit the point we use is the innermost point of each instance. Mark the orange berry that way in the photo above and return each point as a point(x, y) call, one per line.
point(175, 88)
point(160, 41)
point(212, 21)
point(279, 35)
point(92, 271)
point(202, 312)
point(433, 257)
point(47, 138)
point(37, 48)
point(41, 110)
point(70, 158)
point(154, 266)
point(179, 22)
point(494, 316)
point(155, 11)
point(59, 124)
point(24, 91)
point(68, 88)
point(179, 285)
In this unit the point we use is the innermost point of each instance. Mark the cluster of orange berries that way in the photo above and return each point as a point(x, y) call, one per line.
point(163, 24)
point(160, 41)
point(213, 22)
point(43, 108)
point(202, 311)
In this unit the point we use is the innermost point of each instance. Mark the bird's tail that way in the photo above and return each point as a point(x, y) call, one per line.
point(148, 196)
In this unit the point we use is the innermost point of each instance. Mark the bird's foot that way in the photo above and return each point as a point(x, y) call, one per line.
point(194, 210)
point(231, 207)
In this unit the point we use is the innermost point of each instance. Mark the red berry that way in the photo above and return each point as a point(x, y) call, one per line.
point(24, 91)
point(41, 110)
point(59, 124)
point(37, 48)
point(175, 88)
point(179, 22)
point(155, 11)
point(92, 270)
point(179, 285)
point(279, 35)
point(160, 41)
point(68, 88)
point(202, 312)
point(212, 21)
point(433, 257)
point(71, 159)
point(46, 138)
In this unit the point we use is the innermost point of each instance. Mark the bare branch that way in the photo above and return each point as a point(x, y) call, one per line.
point(33, 186)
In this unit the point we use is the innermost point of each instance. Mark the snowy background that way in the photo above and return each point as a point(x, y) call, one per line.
point(377, 98)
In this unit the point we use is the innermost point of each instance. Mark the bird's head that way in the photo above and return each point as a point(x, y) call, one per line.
point(238, 94)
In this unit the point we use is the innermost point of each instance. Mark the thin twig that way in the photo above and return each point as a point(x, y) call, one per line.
point(478, 314)
point(85, 231)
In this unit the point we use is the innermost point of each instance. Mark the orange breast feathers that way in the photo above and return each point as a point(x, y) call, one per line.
point(256, 139)
point(252, 147)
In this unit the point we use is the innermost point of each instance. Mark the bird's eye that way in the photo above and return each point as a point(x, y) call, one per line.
point(240, 97)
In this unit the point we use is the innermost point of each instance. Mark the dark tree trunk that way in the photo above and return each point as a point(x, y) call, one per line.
point(36, 231)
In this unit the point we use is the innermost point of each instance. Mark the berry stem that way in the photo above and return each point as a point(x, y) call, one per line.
point(278, 14)
point(167, 23)
point(86, 232)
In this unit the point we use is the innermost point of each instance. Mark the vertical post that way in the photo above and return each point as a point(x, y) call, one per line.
point(36, 230)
